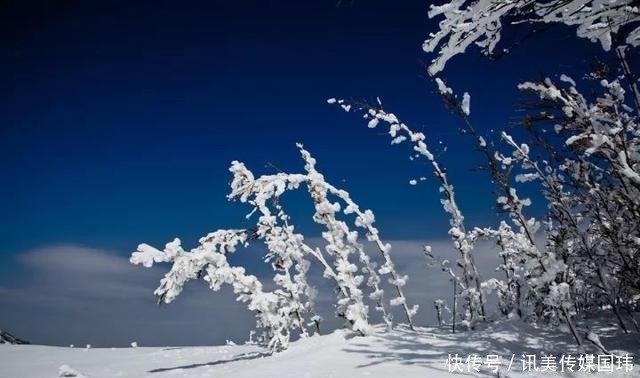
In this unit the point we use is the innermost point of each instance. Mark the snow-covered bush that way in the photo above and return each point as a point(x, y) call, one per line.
point(583, 157)
point(290, 307)
point(593, 189)
point(589, 256)
point(590, 181)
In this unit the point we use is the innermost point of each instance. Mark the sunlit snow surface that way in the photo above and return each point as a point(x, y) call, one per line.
point(399, 353)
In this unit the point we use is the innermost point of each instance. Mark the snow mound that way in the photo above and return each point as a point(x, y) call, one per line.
point(68, 371)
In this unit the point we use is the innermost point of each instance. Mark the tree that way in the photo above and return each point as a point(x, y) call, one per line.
point(582, 155)
point(589, 176)
point(290, 307)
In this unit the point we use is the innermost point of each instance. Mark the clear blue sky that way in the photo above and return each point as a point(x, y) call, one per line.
point(119, 119)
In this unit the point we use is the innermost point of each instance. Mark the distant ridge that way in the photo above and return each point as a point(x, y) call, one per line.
point(7, 338)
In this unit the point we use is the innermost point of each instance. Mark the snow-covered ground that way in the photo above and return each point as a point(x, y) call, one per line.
point(399, 353)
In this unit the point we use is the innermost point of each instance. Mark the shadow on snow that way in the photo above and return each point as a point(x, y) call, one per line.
point(240, 357)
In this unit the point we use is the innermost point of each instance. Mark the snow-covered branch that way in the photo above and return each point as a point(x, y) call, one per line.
point(480, 23)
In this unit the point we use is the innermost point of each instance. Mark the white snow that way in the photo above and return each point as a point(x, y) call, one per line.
point(68, 371)
point(465, 105)
point(442, 87)
point(398, 353)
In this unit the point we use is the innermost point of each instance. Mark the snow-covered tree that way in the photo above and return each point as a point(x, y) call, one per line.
point(290, 307)
point(582, 155)
point(598, 213)
point(588, 257)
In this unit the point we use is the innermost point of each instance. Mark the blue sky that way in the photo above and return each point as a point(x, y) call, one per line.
point(119, 121)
